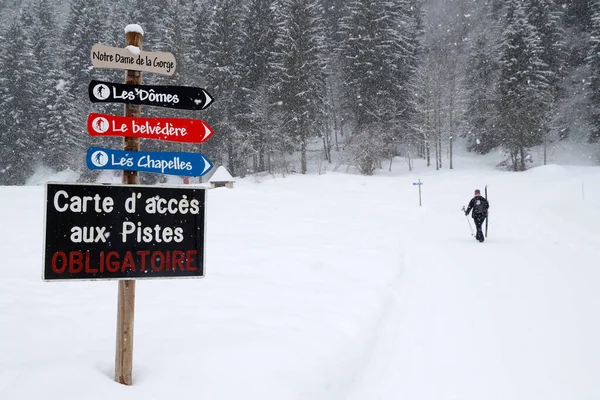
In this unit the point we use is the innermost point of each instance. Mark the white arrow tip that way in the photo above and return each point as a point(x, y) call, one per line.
point(207, 166)
point(207, 132)
point(208, 99)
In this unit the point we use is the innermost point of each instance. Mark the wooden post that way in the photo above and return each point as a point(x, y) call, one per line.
point(419, 184)
point(126, 296)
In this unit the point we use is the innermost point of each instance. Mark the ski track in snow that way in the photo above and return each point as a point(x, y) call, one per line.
point(494, 320)
point(332, 287)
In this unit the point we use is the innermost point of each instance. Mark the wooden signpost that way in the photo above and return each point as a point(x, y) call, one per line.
point(126, 294)
point(169, 129)
point(132, 232)
point(180, 97)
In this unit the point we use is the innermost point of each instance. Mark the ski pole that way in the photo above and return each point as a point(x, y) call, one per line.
point(469, 222)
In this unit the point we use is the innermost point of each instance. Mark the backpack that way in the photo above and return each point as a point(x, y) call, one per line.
point(479, 207)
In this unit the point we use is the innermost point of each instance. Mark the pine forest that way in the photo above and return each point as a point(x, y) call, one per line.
point(303, 83)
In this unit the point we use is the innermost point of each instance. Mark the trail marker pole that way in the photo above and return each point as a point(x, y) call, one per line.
point(126, 296)
point(418, 183)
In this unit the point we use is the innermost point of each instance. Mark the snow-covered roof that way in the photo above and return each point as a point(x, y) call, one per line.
point(221, 175)
point(134, 28)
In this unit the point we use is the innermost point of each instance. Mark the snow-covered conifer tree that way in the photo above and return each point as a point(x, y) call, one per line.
point(523, 89)
point(19, 151)
point(302, 61)
point(593, 60)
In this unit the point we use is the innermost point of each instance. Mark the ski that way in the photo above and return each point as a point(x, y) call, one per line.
point(487, 217)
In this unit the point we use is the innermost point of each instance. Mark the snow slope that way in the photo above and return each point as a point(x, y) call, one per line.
point(332, 286)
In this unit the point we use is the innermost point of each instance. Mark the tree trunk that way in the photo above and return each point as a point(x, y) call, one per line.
point(261, 155)
point(231, 159)
point(439, 132)
point(514, 159)
point(303, 156)
point(440, 149)
point(435, 136)
point(437, 156)
point(437, 149)
point(335, 123)
point(545, 151)
point(269, 164)
point(450, 143)
point(522, 152)
point(327, 146)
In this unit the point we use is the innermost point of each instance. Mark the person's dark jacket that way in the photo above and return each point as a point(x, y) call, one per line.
point(479, 205)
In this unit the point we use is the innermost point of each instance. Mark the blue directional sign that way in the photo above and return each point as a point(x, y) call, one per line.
point(417, 183)
point(169, 163)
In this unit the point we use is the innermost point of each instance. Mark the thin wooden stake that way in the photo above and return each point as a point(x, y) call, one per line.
point(126, 296)
point(419, 193)
point(125, 313)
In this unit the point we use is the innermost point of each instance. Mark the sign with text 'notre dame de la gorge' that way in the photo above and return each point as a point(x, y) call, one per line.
point(123, 232)
point(118, 58)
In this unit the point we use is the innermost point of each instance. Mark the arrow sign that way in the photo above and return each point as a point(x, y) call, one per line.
point(169, 163)
point(417, 183)
point(181, 97)
point(133, 58)
point(169, 129)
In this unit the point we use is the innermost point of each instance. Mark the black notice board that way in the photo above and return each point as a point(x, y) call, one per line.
point(123, 232)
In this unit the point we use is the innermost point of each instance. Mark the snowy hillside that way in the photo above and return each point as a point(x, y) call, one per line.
point(333, 286)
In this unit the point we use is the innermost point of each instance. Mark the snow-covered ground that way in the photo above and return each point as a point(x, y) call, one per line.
point(332, 286)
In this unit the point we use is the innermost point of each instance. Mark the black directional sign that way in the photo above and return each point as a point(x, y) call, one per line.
point(123, 232)
point(181, 97)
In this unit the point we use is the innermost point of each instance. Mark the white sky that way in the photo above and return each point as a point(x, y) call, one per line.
point(328, 287)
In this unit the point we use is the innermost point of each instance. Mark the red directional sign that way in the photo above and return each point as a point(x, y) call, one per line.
point(170, 129)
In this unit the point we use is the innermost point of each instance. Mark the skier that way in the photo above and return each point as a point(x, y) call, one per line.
point(480, 206)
